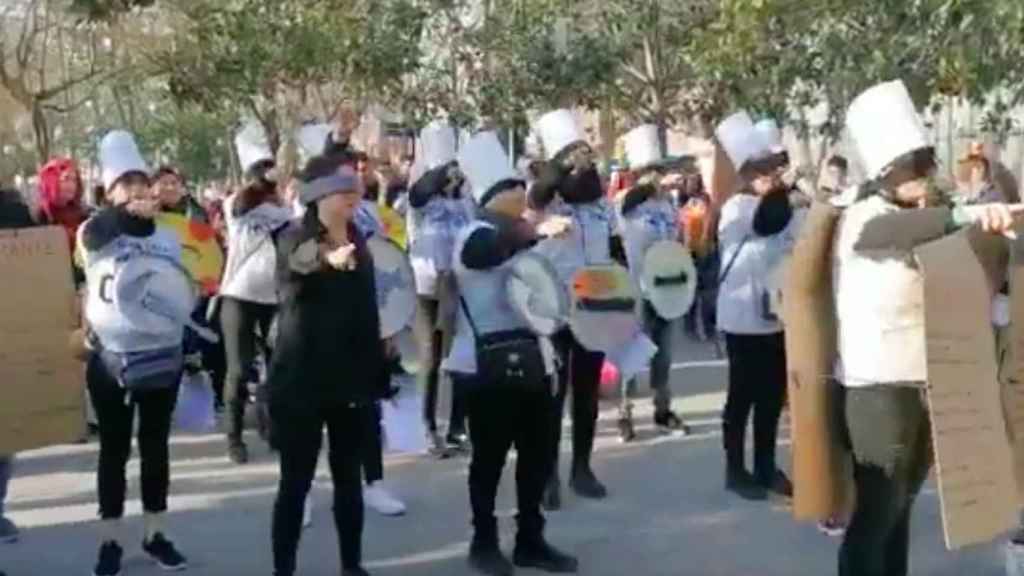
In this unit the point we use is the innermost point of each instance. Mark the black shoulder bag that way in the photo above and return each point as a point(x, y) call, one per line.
point(507, 358)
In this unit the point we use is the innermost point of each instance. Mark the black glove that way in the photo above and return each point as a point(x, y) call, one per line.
point(550, 179)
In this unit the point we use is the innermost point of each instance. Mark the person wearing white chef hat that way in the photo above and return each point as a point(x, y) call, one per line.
point(506, 407)
point(568, 189)
point(139, 298)
point(881, 348)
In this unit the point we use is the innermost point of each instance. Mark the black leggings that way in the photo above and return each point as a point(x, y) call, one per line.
point(115, 413)
point(299, 434)
point(432, 351)
point(757, 381)
point(580, 370)
point(500, 418)
point(239, 320)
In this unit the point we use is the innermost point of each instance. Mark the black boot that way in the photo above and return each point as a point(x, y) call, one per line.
point(534, 552)
point(776, 484)
point(585, 483)
point(743, 484)
point(485, 555)
point(552, 499)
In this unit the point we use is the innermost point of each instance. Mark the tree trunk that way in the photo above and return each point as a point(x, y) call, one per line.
point(41, 128)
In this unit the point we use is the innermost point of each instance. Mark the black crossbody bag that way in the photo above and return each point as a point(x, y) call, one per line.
point(507, 358)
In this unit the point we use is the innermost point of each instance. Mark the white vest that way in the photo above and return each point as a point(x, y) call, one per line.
point(588, 242)
point(879, 304)
point(487, 300)
point(252, 257)
point(652, 221)
point(433, 231)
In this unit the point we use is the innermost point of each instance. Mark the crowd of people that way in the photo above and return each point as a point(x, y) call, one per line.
point(297, 315)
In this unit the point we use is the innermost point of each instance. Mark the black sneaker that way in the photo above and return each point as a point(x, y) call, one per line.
point(357, 571)
point(743, 484)
point(238, 453)
point(626, 431)
point(457, 442)
point(109, 562)
point(163, 552)
point(552, 500)
point(585, 484)
point(668, 421)
point(544, 557)
point(778, 485)
point(488, 560)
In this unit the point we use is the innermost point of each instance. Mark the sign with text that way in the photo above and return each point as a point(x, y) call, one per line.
point(973, 458)
point(41, 384)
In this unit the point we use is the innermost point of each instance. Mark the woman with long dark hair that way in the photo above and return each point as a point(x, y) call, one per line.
point(328, 367)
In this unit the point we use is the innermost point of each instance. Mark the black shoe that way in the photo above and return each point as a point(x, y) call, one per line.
point(357, 571)
point(109, 562)
point(743, 484)
point(545, 557)
point(552, 500)
point(778, 484)
point(457, 442)
point(670, 422)
point(488, 559)
point(585, 484)
point(626, 431)
point(238, 453)
point(163, 552)
point(1018, 537)
point(437, 446)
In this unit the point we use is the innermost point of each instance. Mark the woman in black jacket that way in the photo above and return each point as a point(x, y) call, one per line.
point(328, 367)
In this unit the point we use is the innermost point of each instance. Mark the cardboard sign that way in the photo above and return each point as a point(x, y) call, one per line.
point(821, 464)
point(41, 384)
point(973, 459)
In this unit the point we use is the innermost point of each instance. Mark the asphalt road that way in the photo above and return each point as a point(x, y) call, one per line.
point(667, 514)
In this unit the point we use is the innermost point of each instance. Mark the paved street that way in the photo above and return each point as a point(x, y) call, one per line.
point(667, 515)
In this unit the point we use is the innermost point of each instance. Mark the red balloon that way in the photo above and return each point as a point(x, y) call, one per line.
point(609, 379)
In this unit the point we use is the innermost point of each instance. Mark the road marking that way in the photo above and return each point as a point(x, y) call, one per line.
point(700, 364)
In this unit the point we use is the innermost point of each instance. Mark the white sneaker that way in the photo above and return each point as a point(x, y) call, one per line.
point(377, 497)
point(307, 513)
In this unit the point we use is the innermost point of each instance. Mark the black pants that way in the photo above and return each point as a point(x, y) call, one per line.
point(299, 434)
point(757, 381)
point(212, 353)
point(239, 320)
point(580, 370)
point(500, 418)
point(373, 449)
point(115, 414)
point(432, 353)
point(890, 435)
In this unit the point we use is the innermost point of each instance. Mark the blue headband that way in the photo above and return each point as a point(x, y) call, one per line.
point(337, 183)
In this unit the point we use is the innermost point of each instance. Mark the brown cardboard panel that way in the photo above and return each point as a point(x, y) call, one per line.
point(821, 469)
point(41, 398)
point(974, 464)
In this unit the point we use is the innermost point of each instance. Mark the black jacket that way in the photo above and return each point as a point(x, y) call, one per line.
point(13, 211)
point(328, 351)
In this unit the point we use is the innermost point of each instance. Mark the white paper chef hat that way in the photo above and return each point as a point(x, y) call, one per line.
point(771, 135)
point(740, 140)
point(312, 139)
point(484, 162)
point(643, 147)
point(557, 130)
point(252, 145)
point(884, 125)
point(437, 144)
point(119, 155)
